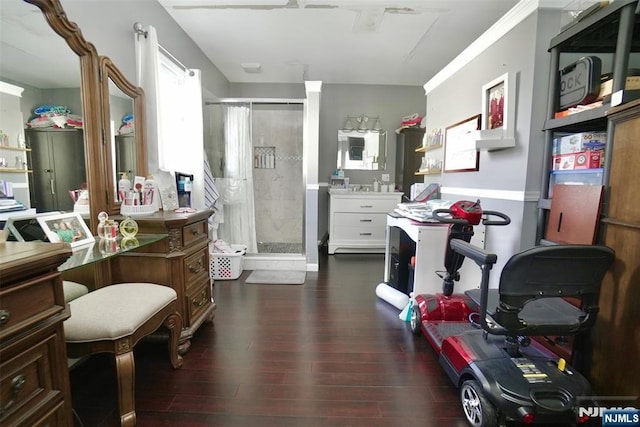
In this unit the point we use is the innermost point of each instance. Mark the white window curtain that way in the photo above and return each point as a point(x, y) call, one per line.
point(174, 113)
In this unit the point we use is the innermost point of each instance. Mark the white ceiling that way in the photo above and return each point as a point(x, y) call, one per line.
point(402, 42)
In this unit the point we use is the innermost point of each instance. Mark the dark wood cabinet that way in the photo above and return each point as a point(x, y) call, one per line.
point(616, 336)
point(126, 155)
point(58, 164)
point(408, 161)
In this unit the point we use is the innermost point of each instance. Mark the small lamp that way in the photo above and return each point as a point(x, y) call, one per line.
point(377, 126)
point(348, 126)
point(363, 123)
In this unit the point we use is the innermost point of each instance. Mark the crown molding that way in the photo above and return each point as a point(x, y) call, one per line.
point(506, 23)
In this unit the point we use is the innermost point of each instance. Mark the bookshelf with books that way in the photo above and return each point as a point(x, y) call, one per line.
point(607, 33)
point(14, 179)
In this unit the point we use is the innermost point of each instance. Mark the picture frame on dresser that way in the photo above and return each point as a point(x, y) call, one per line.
point(66, 228)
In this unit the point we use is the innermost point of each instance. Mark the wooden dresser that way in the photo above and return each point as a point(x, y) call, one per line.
point(357, 220)
point(34, 378)
point(180, 261)
point(616, 335)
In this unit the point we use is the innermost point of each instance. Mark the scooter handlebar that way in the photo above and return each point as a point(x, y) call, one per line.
point(504, 218)
point(438, 214)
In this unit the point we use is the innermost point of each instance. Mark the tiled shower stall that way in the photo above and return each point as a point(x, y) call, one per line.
point(276, 132)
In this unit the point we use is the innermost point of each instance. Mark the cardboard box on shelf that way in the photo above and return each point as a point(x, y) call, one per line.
point(632, 83)
point(582, 160)
point(578, 142)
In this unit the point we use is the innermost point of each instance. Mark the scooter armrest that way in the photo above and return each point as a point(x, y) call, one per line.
point(473, 252)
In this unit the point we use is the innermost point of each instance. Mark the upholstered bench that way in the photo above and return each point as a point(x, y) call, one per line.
point(112, 320)
point(73, 290)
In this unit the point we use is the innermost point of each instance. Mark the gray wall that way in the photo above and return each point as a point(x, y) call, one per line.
point(108, 25)
point(522, 51)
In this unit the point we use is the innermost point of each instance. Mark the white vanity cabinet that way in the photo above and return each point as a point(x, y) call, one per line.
point(357, 220)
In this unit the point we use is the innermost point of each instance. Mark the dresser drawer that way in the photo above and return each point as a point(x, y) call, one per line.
point(29, 302)
point(198, 300)
point(361, 204)
point(196, 232)
point(361, 234)
point(28, 385)
point(361, 220)
point(196, 267)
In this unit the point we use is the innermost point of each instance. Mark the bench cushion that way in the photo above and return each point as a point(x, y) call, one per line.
point(73, 290)
point(115, 311)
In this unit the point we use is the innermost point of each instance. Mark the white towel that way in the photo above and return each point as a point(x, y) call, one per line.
point(211, 194)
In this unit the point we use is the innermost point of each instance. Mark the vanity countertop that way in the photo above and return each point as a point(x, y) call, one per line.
point(360, 193)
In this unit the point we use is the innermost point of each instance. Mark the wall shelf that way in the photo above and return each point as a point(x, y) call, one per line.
point(428, 172)
point(6, 147)
point(493, 139)
point(14, 170)
point(424, 149)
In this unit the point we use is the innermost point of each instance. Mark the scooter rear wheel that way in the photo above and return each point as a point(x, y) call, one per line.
point(416, 319)
point(477, 408)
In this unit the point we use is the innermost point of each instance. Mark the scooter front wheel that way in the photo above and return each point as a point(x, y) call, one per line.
point(477, 408)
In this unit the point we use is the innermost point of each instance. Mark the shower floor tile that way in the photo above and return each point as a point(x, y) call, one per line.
point(279, 248)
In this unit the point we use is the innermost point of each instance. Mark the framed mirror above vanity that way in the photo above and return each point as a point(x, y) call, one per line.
point(46, 54)
point(124, 119)
point(362, 150)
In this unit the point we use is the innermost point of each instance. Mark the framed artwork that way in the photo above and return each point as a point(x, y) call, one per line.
point(68, 228)
point(460, 154)
point(498, 103)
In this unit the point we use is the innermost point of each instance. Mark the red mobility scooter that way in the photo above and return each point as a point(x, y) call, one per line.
point(447, 313)
point(502, 374)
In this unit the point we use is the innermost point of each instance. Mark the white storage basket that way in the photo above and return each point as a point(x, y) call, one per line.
point(227, 266)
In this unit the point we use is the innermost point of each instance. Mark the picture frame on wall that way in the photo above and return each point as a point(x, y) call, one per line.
point(460, 153)
point(493, 103)
point(499, 103)
point(66, 228)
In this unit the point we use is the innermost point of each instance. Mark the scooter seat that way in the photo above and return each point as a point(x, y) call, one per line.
point(545, 311)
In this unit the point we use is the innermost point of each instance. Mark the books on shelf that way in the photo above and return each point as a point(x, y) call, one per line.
point(577, 109)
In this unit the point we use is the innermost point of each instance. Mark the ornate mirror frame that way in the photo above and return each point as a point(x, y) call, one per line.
point(94, 153)
point(109, 72)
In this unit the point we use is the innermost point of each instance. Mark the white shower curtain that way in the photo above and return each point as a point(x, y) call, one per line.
point(239, 226)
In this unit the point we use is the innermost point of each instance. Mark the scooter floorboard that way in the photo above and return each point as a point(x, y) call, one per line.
point(437, 332)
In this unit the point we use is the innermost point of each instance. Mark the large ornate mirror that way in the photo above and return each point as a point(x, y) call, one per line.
point(123, 115)
point(61, 71)
point(359, 150)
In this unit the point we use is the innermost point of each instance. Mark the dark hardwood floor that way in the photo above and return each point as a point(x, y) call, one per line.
point(326, 353)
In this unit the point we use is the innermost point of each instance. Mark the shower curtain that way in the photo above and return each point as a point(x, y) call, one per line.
point(236, 188)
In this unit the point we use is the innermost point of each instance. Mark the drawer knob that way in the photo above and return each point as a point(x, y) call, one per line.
point(195, 231)
point(203, 300)
point(366, 220)
point(365, 234)
point(196, 269)
point(366, 206)
point(4, 316)
point(16, 385)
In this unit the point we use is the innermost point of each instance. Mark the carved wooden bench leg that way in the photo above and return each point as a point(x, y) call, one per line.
point(174, 324)
point(112, 320)
point(125, 368)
